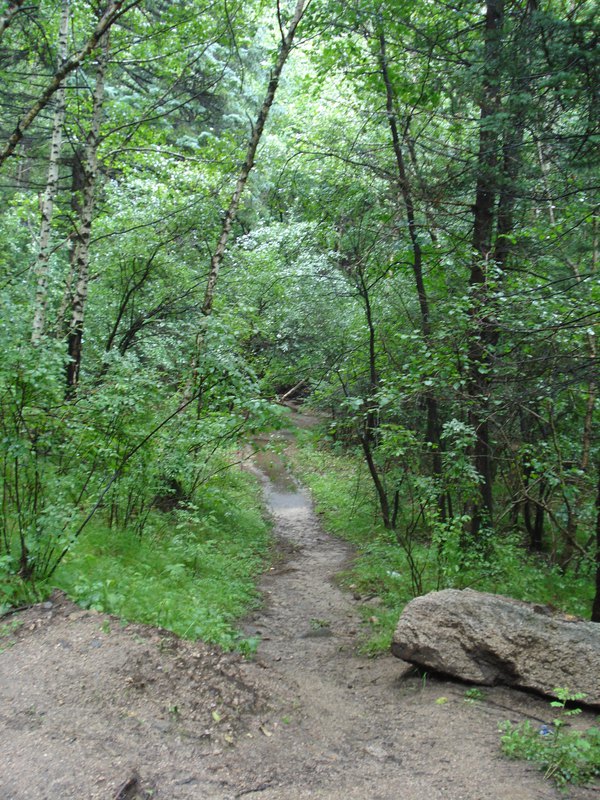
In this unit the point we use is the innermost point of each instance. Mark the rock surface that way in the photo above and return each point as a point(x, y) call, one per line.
point(490, 639)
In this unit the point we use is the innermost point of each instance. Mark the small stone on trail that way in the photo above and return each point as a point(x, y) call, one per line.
point(317, 633)
point(185, 781)
point(377, 751)
point(77, 615)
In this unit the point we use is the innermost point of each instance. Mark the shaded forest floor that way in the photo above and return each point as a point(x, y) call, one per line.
point(92, 708)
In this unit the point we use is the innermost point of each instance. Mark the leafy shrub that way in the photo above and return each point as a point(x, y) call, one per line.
point(565, 756)
point(396, 568)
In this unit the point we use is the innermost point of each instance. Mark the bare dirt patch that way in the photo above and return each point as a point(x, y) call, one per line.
point(85, 702)
point(94, 709)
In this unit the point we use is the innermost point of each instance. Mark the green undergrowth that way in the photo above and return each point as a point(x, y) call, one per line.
point(345, 501)
point(17, 593)
point(566, 755)
point(193, 571)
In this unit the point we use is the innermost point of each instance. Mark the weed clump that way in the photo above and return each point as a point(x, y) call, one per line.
point(565, 756)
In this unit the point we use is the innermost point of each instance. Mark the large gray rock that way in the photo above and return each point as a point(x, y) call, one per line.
point(490, 639)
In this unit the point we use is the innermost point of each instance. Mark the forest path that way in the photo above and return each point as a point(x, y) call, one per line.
point(350, 727)
point(93, 707)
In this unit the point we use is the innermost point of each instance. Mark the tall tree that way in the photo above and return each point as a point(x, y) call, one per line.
point(47, 201)
point(483, 333)
point(285, 48)
point(406, 193)
point(114, 10)
point(80, 250)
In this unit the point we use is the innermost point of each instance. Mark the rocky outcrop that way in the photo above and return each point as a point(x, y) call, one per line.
point(490, 639)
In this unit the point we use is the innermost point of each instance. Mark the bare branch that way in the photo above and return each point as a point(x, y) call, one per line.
point(112, 13)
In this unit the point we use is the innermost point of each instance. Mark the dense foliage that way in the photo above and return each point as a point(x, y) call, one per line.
point(410, 239)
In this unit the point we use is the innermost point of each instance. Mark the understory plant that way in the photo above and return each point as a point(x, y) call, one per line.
point(397, 565)
point(193, 571)
point(566, 756)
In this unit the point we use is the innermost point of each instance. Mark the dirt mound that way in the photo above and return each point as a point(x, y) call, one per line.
point(86, 700)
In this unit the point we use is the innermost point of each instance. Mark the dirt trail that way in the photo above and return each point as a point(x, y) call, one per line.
point(87, 706)
point(361, 728)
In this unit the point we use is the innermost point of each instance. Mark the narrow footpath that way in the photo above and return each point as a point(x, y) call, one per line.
point(356, 728)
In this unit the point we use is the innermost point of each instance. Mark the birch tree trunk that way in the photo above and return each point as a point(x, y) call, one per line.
point(43, 256)
point(80, 251)
point(112, 13)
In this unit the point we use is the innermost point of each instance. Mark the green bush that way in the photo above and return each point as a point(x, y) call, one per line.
point(565, 756)
point(396, 567)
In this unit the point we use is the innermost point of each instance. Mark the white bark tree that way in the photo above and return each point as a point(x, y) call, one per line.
point(285, 48)
point(81, 247)
point(115, 10)
point(47, 201)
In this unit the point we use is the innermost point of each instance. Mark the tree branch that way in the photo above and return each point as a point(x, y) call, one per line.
point(112, 13)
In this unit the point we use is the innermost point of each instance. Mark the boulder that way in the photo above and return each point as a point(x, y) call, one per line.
point(490, 639)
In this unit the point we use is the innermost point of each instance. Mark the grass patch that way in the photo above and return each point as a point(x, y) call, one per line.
point(344, 498)
point(193, 571)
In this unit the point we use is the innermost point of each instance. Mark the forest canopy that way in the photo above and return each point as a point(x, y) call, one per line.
point(388, 208)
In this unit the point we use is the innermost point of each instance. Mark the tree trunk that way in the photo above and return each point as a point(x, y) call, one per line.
point(368, 435)
point(80, 251)
point(257, 131)
point(9, 15)
point(588, 420)
point(483, 333)
point(596, 605)
point(384, 504)
point(43, 257)
point(433, 426)
point(285, 49)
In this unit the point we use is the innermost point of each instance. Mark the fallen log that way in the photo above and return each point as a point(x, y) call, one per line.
point(291, 392)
